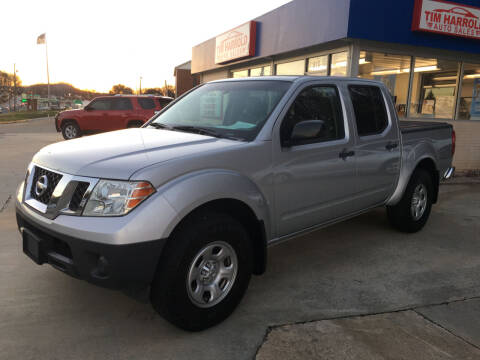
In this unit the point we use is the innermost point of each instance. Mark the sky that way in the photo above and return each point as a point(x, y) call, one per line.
point(96, 44)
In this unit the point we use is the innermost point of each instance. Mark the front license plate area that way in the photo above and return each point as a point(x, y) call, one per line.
point(32, 246)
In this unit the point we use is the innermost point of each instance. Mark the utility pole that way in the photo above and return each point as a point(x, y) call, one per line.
point(140, 92)
point(166, 88)
point(48, 76)
point(14, 88)
point(42, 39)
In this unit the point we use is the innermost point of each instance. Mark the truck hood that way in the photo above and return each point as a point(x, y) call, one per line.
point(70, 112)
point(118, 154)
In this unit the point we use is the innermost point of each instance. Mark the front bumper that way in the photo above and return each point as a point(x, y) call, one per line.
point(57, 126)
point(117, 266)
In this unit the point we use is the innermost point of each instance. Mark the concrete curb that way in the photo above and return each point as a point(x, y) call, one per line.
point(361, 338)
point(23, 120)
point(462, 180)
point(14, 121)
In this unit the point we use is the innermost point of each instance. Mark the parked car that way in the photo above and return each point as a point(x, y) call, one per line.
point(109, 113)
point(187, 205)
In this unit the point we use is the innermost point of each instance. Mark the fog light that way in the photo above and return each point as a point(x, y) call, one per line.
point(101, 271)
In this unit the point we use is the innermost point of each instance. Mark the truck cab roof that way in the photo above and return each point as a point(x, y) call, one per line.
point(300, 79)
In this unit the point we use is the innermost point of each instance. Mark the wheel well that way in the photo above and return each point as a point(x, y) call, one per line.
point(255, 228)
point(429, 166)
point(66, 121)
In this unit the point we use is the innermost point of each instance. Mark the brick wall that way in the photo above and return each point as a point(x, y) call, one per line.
point(467, 153)
point(184, 81)
point(467, 150)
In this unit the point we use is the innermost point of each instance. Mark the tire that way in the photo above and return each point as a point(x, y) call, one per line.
point(71, 130)
point(413, 210)
point(176, 292)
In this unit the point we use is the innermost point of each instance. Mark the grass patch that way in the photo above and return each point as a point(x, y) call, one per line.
point(23, 115)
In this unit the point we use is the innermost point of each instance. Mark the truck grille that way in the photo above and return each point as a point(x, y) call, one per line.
point(52, 182)
point(78, 195)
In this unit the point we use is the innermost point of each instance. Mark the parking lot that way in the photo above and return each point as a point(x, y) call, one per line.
point(341, 273)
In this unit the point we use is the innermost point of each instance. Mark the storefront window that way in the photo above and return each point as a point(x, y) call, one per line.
point(240, 74)
point(291, 68)
point(434, 88)
point(318, 66)
point(261, 71)
point(339, 64)
point(469, 106)
point(392, 70)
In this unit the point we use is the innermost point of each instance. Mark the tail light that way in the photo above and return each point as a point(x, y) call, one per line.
point(454, 139)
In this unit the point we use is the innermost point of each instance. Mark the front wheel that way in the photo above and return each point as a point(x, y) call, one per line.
point(413, 210)
point(203, 272)
point(71, 130)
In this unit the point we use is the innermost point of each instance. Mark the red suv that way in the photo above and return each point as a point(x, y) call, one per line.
point(109, 113)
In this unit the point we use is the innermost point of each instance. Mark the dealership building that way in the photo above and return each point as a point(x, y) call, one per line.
point(427, 52)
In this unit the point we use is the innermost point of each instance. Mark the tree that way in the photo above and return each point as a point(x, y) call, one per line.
point(120, 89)
point(7, 86)
point(153, 91)
point(169, 91)
point(62, 90)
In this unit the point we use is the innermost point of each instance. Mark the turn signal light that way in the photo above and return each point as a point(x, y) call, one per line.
point(140, 193)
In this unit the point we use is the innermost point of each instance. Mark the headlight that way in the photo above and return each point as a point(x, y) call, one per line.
point(114, 198)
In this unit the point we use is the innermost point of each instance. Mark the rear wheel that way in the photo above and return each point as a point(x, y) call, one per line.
point(203, 272)
point(70, 130)
point(413, 210)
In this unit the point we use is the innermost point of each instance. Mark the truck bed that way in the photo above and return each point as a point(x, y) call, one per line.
point(409, 126)
point(427, 137)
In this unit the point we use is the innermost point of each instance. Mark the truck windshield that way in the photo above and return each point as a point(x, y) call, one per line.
point(234, 110)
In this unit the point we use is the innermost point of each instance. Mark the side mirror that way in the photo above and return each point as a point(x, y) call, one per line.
point(87, 108)
point(304, 131)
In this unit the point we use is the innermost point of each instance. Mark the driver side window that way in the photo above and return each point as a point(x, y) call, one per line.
point(320, 104)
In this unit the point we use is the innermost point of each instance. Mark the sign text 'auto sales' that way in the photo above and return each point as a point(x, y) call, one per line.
point(236, 43)
point(447, 18)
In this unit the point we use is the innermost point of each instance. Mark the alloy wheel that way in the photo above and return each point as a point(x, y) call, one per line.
point(419, 202)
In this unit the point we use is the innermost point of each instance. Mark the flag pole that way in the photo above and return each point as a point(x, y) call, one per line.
point(48, 75)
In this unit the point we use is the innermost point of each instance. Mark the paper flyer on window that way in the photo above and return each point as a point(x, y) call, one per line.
point(475, 107)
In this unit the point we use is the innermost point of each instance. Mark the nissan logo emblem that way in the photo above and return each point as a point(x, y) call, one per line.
point(42, 185)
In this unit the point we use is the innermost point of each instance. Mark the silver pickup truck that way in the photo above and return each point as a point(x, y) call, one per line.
point(187, 205)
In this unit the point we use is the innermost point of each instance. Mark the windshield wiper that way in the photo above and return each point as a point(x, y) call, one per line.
point(197, 130)
point(160, 126)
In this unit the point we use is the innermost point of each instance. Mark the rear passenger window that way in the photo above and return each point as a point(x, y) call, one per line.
point(369, 106)
point(164, 102)
point(316, 103)
point(122, 104)
point(146, 103)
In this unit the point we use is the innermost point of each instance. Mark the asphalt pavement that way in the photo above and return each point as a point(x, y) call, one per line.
point(355, 288)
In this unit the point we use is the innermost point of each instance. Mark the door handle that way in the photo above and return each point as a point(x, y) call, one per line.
point(391, 145)
point(344, 154)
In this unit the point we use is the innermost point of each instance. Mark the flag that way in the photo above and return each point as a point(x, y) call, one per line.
point(41, 39)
